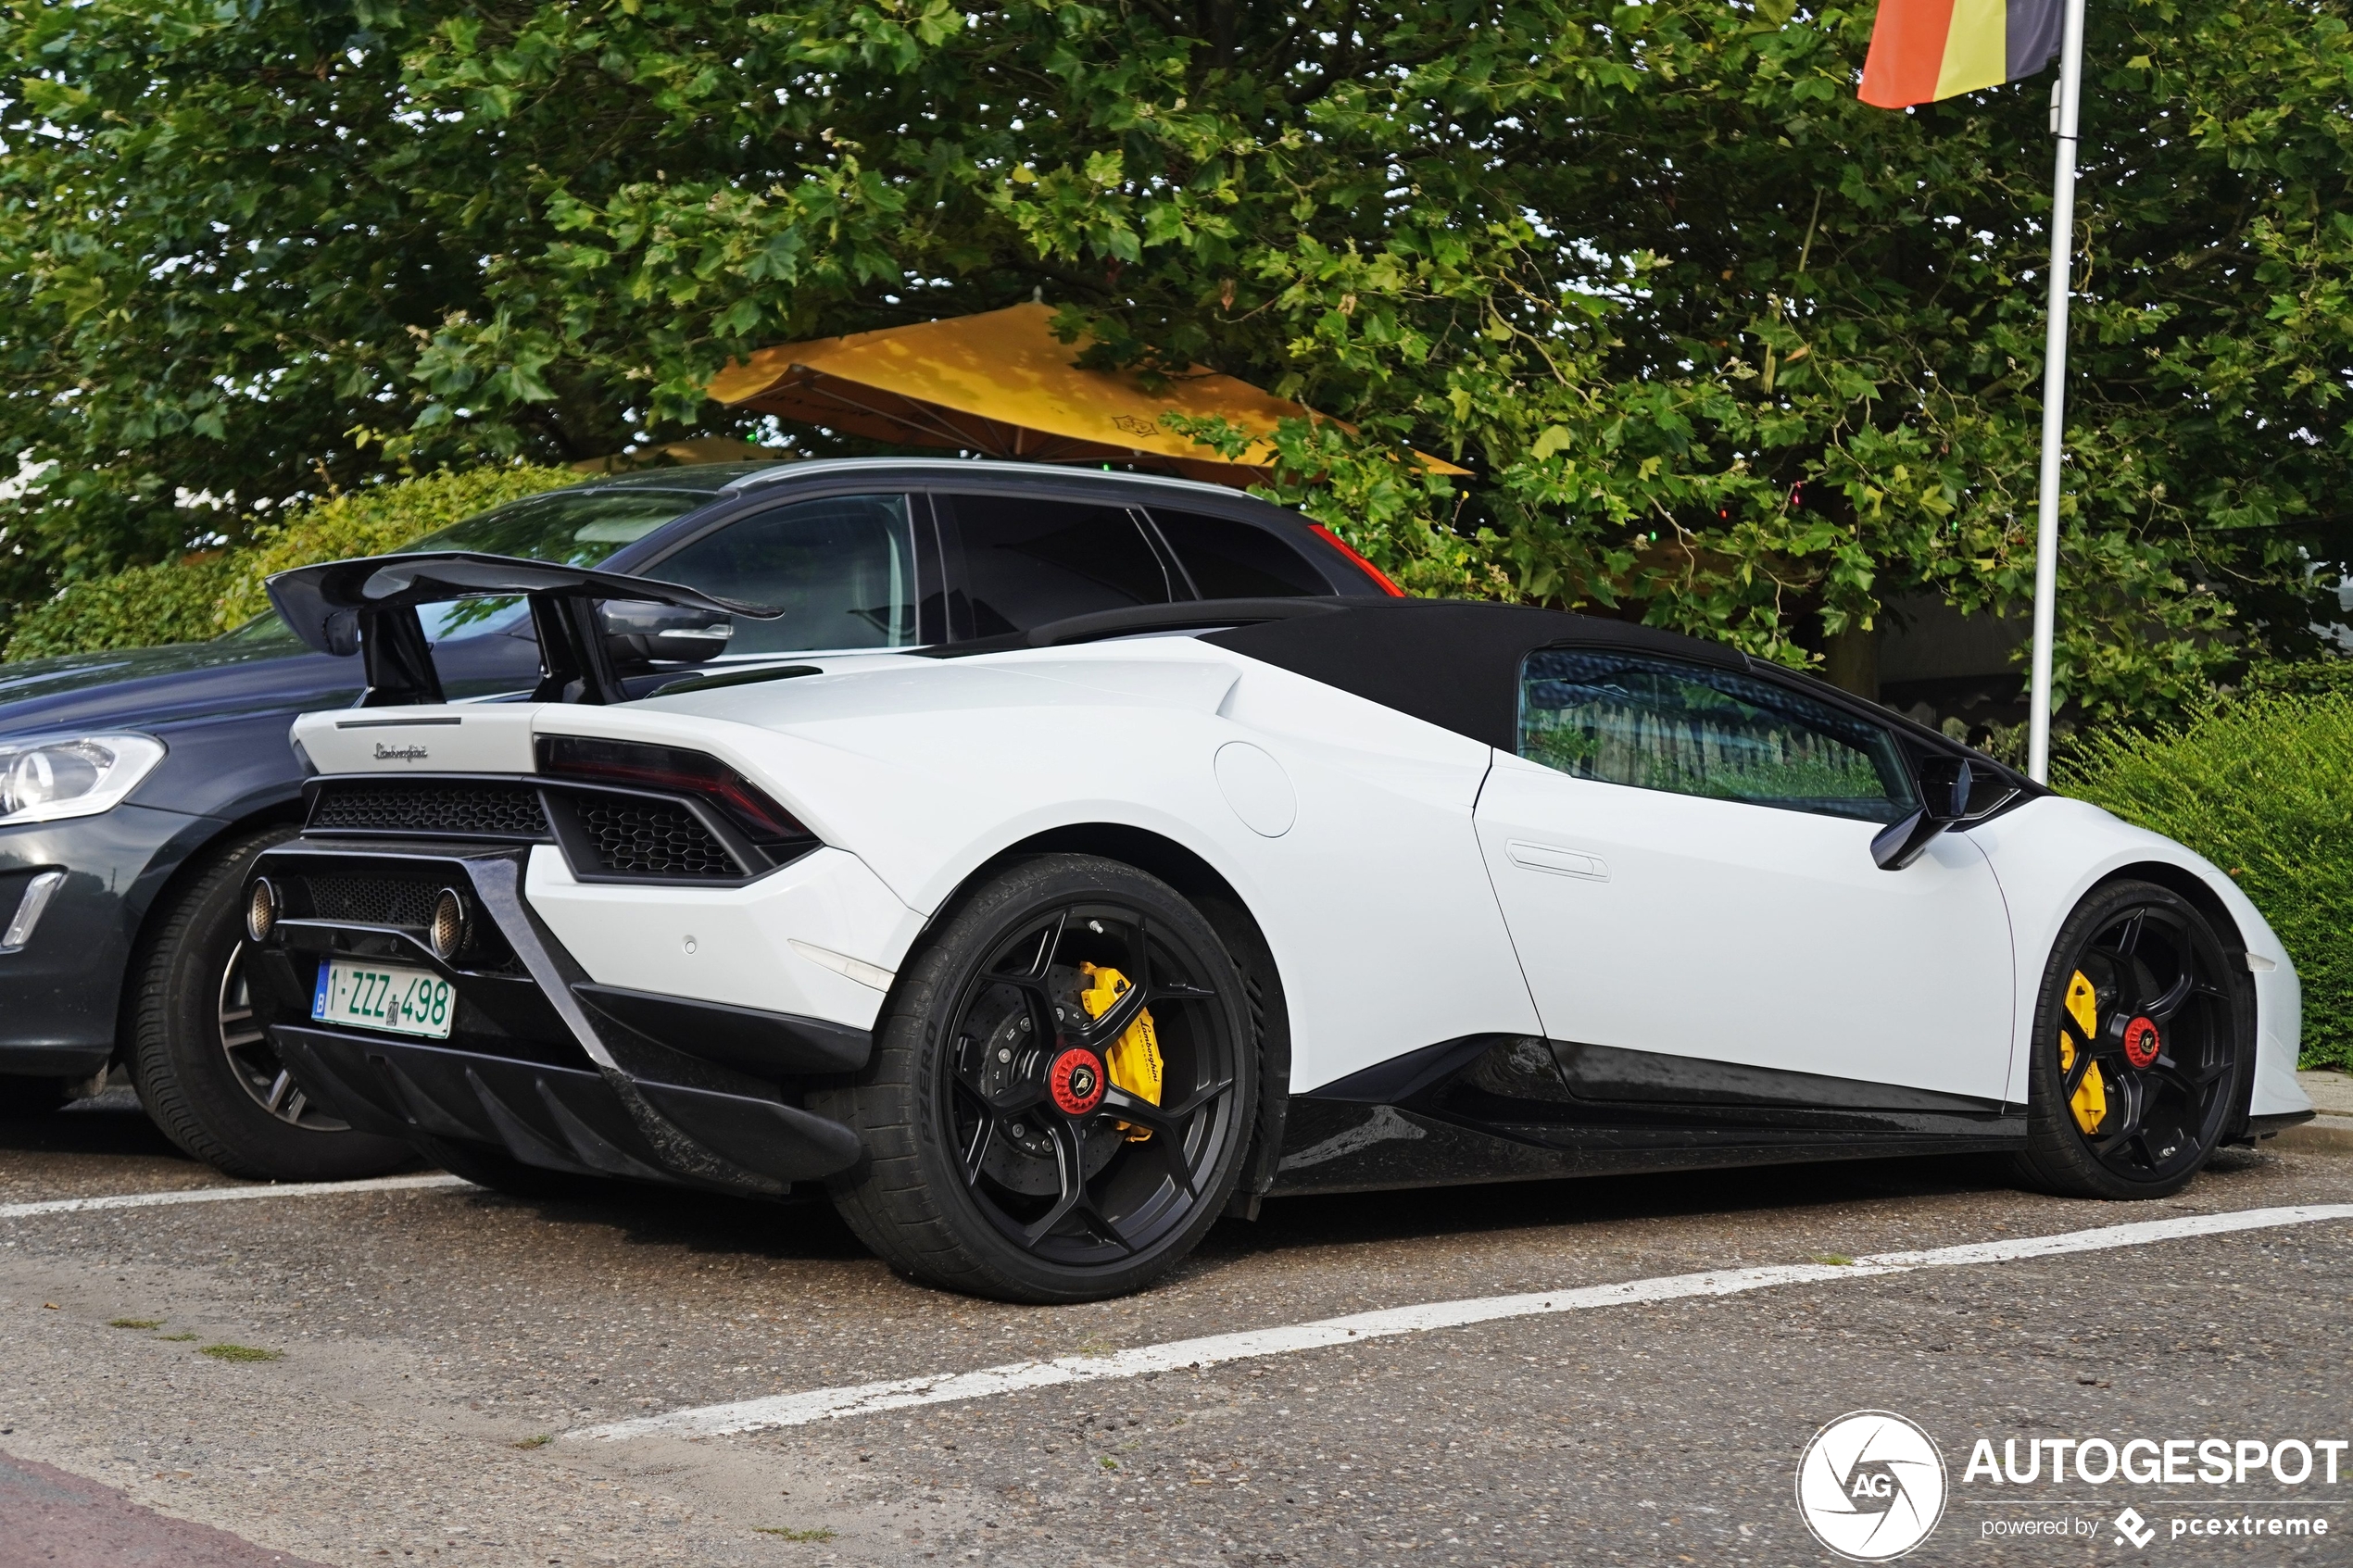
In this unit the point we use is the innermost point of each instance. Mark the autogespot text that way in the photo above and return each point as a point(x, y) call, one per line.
point(2150, 1461)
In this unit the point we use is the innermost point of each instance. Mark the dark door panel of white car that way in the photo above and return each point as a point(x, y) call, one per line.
point(1487, 1107)
point(1684, 856)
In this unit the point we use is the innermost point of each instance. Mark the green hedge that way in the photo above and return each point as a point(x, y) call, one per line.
point(2262, 785)
point(203, 595)
point(172, 602)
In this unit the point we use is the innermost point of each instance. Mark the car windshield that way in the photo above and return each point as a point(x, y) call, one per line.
point(579, 527)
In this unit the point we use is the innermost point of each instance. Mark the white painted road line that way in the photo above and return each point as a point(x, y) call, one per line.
point(868, 1398)
point(226, 1194)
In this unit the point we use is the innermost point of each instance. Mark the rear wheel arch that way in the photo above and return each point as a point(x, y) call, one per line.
point(1230, 916)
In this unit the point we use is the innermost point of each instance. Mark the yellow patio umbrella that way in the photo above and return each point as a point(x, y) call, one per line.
point(1000, 383)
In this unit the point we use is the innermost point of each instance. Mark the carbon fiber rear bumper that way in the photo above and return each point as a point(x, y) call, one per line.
point(560, 1118)
point(543, 1063)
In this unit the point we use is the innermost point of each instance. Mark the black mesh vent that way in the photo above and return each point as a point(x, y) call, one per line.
point(648, 838)
point(373, 900)
point(488, 810)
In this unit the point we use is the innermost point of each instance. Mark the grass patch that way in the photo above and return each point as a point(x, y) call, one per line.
point(1840, 1258)
point(786, 1532)
point(541, 1441)
point(135, 1323)
point(175, 1338)
point(225, 1353)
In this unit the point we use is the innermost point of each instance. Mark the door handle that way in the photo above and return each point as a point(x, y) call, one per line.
point(1560, 863)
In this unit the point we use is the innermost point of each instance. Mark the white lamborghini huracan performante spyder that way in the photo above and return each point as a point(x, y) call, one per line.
point(1042, 954)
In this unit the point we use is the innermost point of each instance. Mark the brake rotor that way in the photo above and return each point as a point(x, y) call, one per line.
point(1007, 1055)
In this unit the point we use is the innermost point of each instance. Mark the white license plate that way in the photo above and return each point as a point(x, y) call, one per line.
point(406, 1001)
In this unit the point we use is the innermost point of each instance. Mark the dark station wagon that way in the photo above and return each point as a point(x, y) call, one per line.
point(136, 788)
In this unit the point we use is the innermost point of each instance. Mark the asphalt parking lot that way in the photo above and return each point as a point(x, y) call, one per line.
point(424, 1370)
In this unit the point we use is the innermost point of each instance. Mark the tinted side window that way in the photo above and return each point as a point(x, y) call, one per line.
point(842, 569)
point(1027, 562)
point(1233, 560)
point(1659, 723)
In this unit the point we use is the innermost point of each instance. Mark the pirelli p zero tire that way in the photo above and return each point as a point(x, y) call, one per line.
point(204, 1073)
point(2143, 1048)
point(1062, 1093)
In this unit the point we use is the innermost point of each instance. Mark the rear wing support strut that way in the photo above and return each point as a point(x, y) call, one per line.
point(368, 606)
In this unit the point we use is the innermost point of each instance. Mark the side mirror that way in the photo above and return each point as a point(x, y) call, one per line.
point(1899, 844)
point(1949, 785)
point(642, 634)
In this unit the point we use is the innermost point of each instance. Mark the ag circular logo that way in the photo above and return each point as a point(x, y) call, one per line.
point(1872, 1485)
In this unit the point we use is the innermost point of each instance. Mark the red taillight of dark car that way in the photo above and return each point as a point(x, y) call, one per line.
point(1376, 573)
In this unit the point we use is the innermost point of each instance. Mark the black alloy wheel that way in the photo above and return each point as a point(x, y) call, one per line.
point(254, 1061)
point(1062, 1093)
point(2143, 1047)
point(201, 1077)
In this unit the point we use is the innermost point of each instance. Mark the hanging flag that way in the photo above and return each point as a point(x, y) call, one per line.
point(1923, 50)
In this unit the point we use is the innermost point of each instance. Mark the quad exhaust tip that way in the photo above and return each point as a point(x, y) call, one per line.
point(261, 910)
point(447, 935)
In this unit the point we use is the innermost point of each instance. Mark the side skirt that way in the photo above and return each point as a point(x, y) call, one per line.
point(1510, 1108)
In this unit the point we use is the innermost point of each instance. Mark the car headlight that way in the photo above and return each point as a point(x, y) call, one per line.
point(43, 779)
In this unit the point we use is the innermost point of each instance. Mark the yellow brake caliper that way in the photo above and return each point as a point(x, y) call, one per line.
point(1133, 1060)
point(2089, 1103)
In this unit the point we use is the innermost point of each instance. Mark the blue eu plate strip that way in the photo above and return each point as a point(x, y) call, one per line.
point(319, 998)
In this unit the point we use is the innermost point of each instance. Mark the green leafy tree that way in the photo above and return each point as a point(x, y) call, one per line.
point(1724, 349)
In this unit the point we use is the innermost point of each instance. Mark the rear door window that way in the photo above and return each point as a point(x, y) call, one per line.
point(1236, 560)
point(1027, 562)
point(841, 568)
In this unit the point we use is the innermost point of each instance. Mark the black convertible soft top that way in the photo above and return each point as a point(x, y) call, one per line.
point(1455, 663)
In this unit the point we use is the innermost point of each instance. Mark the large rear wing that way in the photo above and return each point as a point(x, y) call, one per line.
point(369, 607)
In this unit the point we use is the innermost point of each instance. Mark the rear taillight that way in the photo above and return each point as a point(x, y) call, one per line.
point(672, 771)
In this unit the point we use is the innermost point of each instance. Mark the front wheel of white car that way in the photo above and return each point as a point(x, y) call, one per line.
point(1062, 1090)
point(2142, 1048)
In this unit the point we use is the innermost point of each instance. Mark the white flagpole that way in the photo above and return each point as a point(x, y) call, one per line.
point(2046, 511)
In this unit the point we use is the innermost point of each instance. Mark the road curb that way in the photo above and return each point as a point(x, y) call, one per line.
point(2332, 1134)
